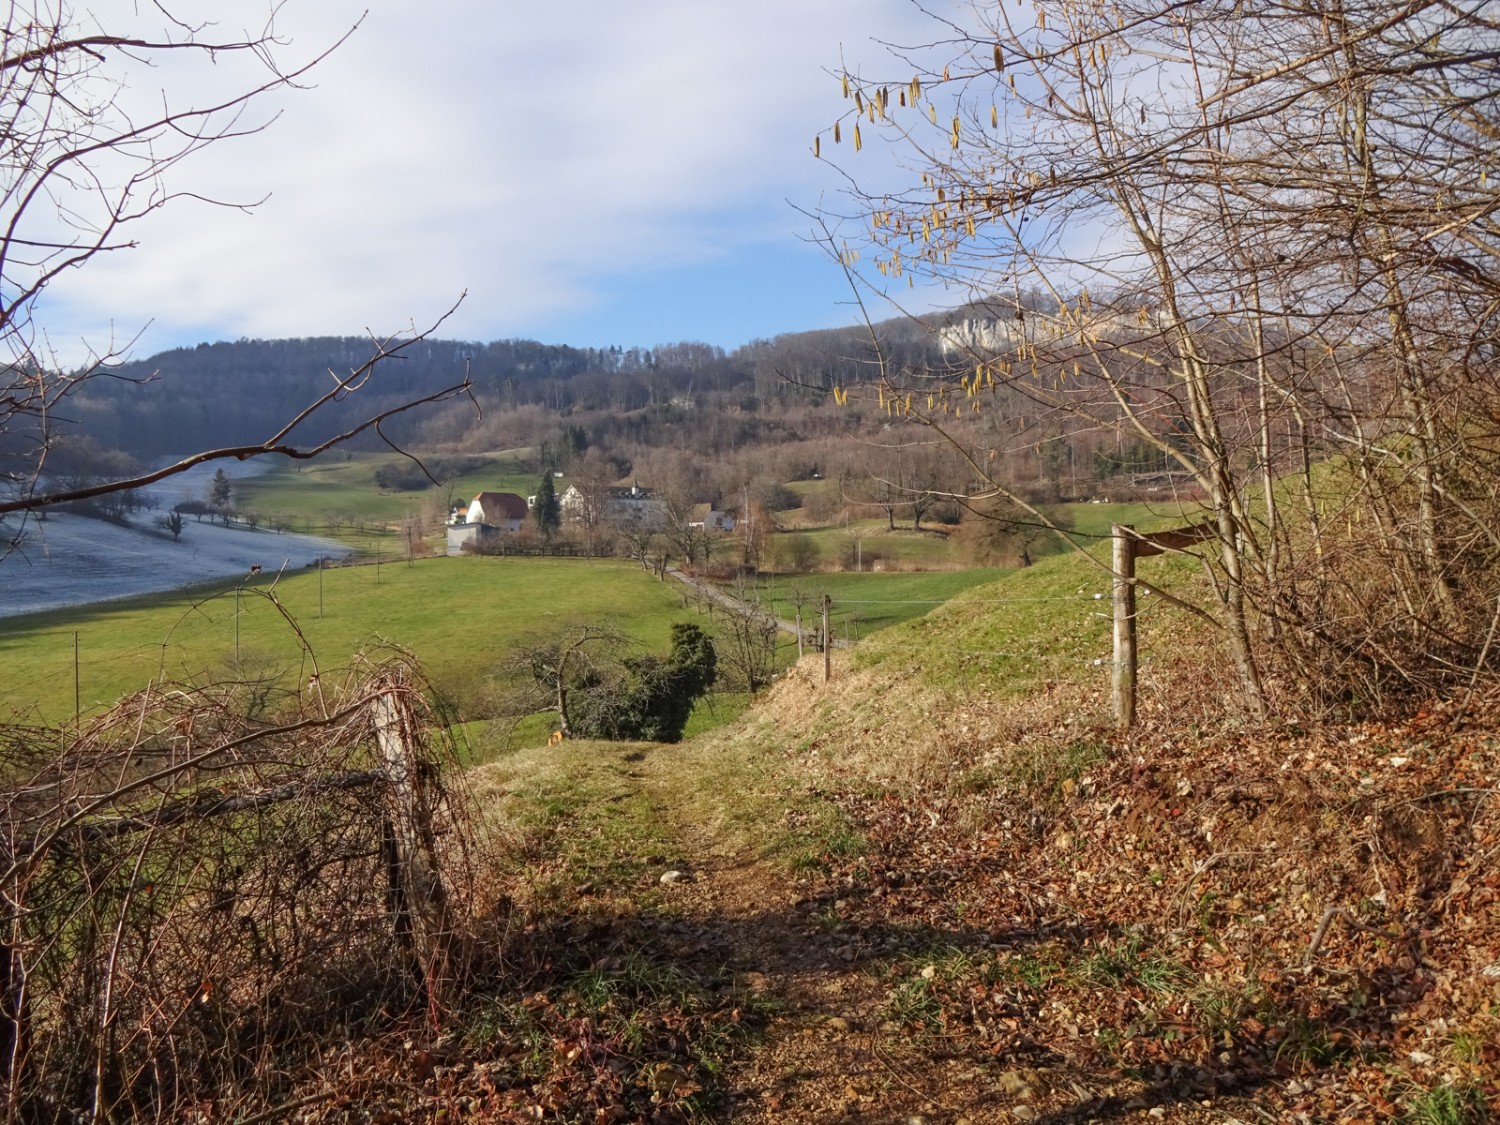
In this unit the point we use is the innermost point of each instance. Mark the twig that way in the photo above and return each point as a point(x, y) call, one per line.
point(1478, 665)
point(1465, 791)
point(1200, 869)
point(218, 804)
point(1354, 923)
point(277, 1111)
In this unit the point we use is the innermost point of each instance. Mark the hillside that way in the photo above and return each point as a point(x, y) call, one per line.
point(72, 559)
point(909, 895)
point(940, 886)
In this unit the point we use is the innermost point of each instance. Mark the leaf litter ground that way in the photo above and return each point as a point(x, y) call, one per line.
point(965, 915)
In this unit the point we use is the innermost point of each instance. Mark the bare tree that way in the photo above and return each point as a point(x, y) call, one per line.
point(747, 639)
point(544, 672)
point(591, 476)
point(1250, 241)
point(693, 541)
point(199, 864)
point(82, 164)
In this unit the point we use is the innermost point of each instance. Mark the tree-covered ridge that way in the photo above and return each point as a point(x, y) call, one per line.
point(230, 392)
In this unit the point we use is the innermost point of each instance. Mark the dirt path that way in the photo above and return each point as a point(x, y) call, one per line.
point(879, 1004)
point(1063, 943)
point(829, 1050)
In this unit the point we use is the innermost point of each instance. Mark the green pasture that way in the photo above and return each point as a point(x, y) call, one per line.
point(865, 542)
point(459, 616)
point(936, 546)
point(1051, 622)
point(865, 603)
point(1093, 521)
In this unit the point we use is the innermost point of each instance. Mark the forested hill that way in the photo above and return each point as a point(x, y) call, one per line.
point(237, 393)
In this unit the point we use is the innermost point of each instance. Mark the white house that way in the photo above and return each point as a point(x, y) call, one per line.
point(712, 520)
point(489, 515)
point(504, 510)
point(618, 505)
point(634, 505)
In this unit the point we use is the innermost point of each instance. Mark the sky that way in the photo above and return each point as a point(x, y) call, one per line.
point(586, 173)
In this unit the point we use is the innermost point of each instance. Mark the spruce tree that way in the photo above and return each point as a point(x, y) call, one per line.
point(546, 510)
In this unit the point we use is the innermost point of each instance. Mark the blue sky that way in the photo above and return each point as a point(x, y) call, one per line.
point(593, 173)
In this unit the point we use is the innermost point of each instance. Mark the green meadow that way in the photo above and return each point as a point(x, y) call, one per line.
point(871, 542)
point(864, 603)
point(459, 616)
point(1092, 522)
point(866, 542)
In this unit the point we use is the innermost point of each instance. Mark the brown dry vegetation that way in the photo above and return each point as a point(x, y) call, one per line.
point(908, 896)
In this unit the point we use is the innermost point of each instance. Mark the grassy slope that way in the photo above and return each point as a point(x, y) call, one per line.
point(864, 603)
point(456, 614)
point(835, 545)
point(939, 546)
point(1021, 907)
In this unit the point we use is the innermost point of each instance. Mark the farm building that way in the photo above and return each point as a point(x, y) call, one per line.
point(489, 515)
point(504, 510)
point(711, 520)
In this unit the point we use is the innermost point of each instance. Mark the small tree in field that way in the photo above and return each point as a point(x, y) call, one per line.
point(580, 674)
point(654, 699)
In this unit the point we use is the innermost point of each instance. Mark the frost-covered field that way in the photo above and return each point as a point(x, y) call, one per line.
point(73, 560)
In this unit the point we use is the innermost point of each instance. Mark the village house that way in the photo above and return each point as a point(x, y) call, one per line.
point(711, 520)
point(619, 505)
point(634, 504)
point(573, 505)
point(488, 516)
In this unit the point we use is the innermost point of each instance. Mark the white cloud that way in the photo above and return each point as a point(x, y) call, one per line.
point(533, 157)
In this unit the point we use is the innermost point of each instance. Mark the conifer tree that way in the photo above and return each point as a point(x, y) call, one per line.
point(546, 511)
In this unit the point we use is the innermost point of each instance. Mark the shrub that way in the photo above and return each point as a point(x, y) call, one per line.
point(655, 696)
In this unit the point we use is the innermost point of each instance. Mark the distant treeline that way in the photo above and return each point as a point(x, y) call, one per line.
point(236, 393)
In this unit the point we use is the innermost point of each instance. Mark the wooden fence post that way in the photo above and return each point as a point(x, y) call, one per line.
point(1125, 641)
point(1128, 547)
point(827, 638)
point(419, 899)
